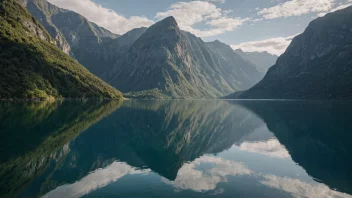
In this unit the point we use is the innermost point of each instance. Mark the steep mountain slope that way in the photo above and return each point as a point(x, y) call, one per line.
point(32, 67)
point(317, 64)
point(74, 34)
point(264, 60)
point(177, 64)
point(41, 10)
point(245, 72)
point(101, 58)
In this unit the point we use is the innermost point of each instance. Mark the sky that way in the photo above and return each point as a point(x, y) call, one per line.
point(252, 25)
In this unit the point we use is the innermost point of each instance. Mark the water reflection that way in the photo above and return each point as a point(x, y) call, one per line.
point(317, 136)
point(33, 135)
point(185, 149)
point(95, 180)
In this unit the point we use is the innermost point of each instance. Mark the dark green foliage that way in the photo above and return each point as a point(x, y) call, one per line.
point(32, 67)
point(147, 94)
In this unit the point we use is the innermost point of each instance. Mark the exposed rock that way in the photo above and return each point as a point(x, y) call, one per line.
point(36, 30)
point(69, 29)
point(316, 65)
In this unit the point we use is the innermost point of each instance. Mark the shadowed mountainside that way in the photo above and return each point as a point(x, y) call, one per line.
point(316, 65)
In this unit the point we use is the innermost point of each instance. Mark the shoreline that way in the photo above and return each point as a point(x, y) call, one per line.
point(60, 99)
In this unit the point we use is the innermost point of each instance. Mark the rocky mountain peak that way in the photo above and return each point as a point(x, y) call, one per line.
point(165, 26)
point(168, 21)
point(164, 34)
point(217, 42)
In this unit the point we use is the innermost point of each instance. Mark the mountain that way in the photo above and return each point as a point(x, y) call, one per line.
point(178, 64)
point(316, 65)
point(263, 60)
point(75, 28)
point(101, 58)
point(247, 72)
point(32, 67)
point(35, 8)
point(75, 35)
point(170, 63)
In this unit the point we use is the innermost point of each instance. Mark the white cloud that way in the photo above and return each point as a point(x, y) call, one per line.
point(276, 45)
point(339, 7)
point(104, 17)
point(296, 8)
point(299, 188)
point(216, 1)
point(95, 180)
point(271, 148)
point(188, 14)
point(189, 178)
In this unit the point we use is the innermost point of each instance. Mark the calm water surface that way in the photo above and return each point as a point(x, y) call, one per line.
point(176, 149)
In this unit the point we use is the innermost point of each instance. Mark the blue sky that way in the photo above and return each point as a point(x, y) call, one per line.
point(252, 25)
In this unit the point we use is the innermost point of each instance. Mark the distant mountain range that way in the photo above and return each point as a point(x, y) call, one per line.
point(178, 64)
point(316, 65)
point(159, 62)
point(263, 60)
point(163, 61)
point(32, 67)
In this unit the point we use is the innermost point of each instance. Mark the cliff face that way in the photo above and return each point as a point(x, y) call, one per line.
point(41, 10)
point(317, 64)
point(74, 34)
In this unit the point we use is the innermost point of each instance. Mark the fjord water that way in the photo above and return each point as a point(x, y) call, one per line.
point(176, 149)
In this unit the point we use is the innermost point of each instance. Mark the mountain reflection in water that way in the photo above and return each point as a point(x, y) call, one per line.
point(176, 149)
